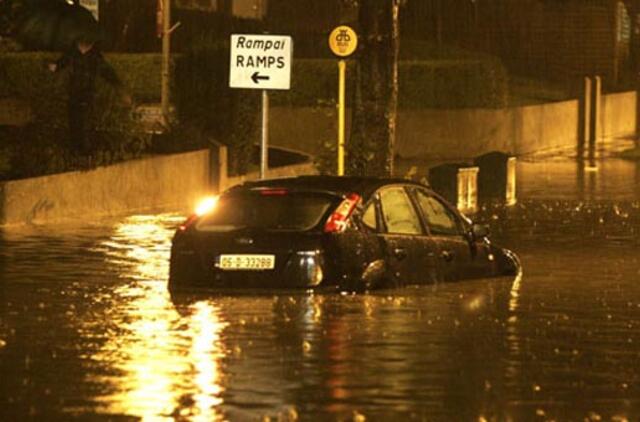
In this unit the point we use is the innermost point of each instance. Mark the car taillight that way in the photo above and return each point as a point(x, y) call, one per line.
point(337, 222)
point(274, 192)
point(188, 222)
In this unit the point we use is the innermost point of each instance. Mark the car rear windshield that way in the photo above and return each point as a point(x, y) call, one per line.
point(282, 211)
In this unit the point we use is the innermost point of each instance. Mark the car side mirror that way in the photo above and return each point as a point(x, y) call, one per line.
point(479, 231)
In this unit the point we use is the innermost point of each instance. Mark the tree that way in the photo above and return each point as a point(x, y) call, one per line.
point(370, 150)
point(10, 10)
point(13, 12)
point(633, 9)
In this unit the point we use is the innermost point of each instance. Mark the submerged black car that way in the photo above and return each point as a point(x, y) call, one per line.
point(351, 233)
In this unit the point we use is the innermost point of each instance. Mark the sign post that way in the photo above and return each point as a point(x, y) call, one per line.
point(264, 143)
point(164, 30)
point(343, 41)
point(261, 62)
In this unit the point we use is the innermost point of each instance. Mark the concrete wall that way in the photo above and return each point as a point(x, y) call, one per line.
point(452, 134)
point(173, 182)
point(274, 173)
point(442, 134)
point(545, 128)
point(164, 182)
point(304, 129)
point(618, 116)
point(465, 133)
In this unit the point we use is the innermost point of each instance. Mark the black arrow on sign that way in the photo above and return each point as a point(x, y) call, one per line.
point(256, 78)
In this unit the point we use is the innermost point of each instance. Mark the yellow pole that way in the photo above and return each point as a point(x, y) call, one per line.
point(342, 66)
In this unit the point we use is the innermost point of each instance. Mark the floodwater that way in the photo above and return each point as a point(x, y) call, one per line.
point(88, 330)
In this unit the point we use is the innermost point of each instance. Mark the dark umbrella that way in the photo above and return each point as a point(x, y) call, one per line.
point(57, 26)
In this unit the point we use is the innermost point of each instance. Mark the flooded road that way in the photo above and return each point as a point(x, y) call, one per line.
point(88, 329)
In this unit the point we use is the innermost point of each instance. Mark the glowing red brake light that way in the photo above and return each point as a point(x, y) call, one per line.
point(274, 192)
point(337, 222)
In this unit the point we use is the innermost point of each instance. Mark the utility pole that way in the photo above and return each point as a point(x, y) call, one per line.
point(372, 144)
point(166, 58)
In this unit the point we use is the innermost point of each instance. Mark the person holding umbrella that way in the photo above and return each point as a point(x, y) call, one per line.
point(86, 63)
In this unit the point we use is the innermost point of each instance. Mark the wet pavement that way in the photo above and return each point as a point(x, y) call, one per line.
point(88, 330)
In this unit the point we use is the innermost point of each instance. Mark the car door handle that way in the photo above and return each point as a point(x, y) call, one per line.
point(447, 255)
point(400, 253)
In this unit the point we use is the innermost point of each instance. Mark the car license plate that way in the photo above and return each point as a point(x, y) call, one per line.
point(246, 262)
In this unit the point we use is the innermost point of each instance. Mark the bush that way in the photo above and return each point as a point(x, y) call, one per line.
point(25, 75)
point(314, 82)
point(140, 73)
point(452, 84)
point(32, 153)
point(439, 83)
point(42, 147)
point(462, 78)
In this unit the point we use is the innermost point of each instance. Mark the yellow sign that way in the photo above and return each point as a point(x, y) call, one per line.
point(343, 41)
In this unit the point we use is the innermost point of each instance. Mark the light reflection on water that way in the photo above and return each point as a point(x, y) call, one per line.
point(145, 355)
point(156, 380)
point(139, 246)
point(88, 329)
point(566, 179)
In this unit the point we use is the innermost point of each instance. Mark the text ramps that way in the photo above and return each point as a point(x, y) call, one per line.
point(260, 61)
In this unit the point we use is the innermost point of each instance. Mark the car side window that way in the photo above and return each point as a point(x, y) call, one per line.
point(370, 216)
point(398, 213)
point(440, 219)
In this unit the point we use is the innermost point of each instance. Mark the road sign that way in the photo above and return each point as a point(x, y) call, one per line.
point(343, 41)
point(260, 61)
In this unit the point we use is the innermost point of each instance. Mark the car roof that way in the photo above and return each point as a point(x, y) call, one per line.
point(338, 185)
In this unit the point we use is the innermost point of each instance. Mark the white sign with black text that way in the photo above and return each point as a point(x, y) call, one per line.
point(260, 61)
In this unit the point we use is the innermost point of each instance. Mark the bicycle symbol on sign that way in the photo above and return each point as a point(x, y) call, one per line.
point(343, 41)
point(343, 36)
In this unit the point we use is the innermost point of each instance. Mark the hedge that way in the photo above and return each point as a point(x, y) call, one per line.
point(423, 83)
point(206, 106)
point(23, 73)
point(469, 83)
point(42, 147)
point(452, 84)
point(314, 82)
